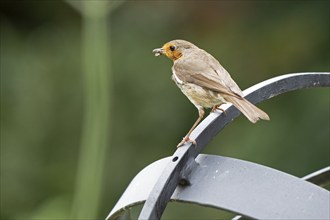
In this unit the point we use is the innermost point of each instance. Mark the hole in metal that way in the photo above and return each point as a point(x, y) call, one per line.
point(175, 159)
point(184, 182)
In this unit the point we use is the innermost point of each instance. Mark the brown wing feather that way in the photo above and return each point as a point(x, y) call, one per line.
point(211, 84)
point(202, 74)
point(222, 73)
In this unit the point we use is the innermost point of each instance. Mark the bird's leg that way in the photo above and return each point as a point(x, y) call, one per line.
point(186, 138)
point(217, 107)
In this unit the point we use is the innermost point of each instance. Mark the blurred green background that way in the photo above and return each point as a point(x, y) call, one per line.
point(85, 105)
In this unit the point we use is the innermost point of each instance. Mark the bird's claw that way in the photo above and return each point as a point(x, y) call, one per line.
point(216, 107)
point(184, 140)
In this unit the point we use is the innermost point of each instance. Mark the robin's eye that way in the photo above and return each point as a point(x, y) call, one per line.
point(172, 48)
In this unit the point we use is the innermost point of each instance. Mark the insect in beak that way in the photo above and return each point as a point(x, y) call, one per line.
point(158, 51)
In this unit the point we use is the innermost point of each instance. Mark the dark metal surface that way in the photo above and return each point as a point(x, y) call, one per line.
point(182, 163)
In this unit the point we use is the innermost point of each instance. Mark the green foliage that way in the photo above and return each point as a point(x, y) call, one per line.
point(44, 92)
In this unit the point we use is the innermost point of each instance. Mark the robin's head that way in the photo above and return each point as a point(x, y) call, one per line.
point(174, 49)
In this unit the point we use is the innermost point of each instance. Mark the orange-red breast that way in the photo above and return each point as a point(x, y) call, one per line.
point(205, 82)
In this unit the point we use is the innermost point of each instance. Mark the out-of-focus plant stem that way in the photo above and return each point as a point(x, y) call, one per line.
point(97, 99)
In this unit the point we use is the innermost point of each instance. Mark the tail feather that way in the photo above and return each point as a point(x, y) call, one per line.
point(252, 112)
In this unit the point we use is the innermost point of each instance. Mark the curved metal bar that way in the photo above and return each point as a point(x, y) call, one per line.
point(320, 177)
point(253, 190)
point(139, 188)
point(250, 189)
point(183, 159)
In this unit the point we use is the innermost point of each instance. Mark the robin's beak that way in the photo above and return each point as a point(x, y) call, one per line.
point(158, 51)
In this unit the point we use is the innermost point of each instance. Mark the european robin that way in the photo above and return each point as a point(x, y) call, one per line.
point(205, 82)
